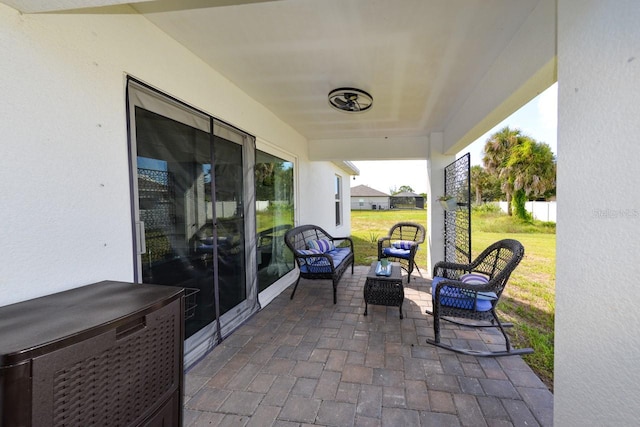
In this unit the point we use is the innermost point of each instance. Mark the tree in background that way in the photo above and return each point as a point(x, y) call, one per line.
point(404, 189)
point(532, 168)
point(497, 150)
point(486, 186)
point(524, 167)
point(479, 181)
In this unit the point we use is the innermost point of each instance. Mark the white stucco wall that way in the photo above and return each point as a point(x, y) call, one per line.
point(65, 215)
point(317, 200)
point(597, 341)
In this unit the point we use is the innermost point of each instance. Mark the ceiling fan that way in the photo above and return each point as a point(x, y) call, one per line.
point(350, 100)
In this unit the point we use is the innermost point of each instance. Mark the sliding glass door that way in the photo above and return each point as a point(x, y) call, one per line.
point(193, 225)
point(173, 165)
point(230, 223)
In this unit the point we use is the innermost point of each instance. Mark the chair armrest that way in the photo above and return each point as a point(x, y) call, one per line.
point(450, 270)
point(347, 239)
point(382, 244)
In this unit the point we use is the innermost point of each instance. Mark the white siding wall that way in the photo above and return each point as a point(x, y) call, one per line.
point(597, 376)
point(64, 173)
point(368, 202)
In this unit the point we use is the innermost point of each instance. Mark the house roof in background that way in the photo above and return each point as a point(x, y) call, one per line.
point(406, 194)
point(364, 191)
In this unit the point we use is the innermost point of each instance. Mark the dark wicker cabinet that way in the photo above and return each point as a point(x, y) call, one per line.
point(107, 354)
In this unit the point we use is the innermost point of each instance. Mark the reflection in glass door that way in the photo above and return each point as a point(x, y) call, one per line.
point(230, 223)
point(274, 216)
point(174, 198)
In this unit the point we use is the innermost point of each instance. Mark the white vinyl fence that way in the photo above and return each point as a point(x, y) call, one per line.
point(543, 211)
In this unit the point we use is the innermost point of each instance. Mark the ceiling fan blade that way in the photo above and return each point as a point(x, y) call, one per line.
point(340, 102)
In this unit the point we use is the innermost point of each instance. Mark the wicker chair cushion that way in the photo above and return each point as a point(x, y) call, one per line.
point(321, 264)
point(323, 245)
point(309, 252)
point(312, 252)
point(474, 279)
point(462, 298)
point(403, 244)
point(395, 252)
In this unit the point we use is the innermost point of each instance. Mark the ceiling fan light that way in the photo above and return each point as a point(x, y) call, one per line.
point(350, 100)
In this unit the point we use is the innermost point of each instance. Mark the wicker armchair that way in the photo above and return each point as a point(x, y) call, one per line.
point(401, 245)
point(326, 263)
point(472, 291)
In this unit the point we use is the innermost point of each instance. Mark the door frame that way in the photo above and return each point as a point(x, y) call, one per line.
point(143, 95)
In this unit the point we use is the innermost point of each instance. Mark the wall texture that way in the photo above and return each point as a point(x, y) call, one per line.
point(65, 214)
point(597, 380)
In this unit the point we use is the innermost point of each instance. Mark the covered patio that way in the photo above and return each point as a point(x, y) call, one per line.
point(307, 361)
point(441, 72)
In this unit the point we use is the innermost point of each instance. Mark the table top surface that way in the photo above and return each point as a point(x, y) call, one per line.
point(396, 272)
point(28, 326)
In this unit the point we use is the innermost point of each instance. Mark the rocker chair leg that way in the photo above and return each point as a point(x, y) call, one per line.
point(335, 288)
point(295, 287)
point(509, 351)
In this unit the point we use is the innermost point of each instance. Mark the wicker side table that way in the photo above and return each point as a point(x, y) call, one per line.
point(384, 290)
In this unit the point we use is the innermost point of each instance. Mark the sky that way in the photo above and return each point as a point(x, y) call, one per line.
point(537, 119)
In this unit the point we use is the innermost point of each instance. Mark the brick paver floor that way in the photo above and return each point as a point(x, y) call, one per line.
point(308, 362)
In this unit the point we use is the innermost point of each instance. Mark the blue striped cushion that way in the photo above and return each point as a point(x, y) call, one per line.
point(402, 244)
point(313, 264)
point(462, 298)
point(397, 253)
point(322, 245)
point(309, 252)
point(474, 278)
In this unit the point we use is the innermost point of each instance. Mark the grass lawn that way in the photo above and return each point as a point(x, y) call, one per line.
point(529, 298)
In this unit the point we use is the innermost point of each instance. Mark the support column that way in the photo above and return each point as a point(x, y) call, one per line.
point(436, 162)
point(596, 379)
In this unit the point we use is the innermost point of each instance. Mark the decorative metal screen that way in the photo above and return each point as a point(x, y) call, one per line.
point(457, 222)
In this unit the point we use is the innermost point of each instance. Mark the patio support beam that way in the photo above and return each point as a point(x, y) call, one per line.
point(374, 148)
point(524, 69)
point(436, 162)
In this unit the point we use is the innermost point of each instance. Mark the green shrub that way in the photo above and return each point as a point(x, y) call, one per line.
point(488, 207)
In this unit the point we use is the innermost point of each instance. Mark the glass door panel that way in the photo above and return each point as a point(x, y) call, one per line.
point(174, 198)
point(274, 216)
point(229, 191)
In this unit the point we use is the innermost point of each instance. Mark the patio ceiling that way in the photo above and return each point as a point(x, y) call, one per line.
point(425, 62)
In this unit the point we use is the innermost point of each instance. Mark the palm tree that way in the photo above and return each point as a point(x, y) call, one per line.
point(480, 180)
point(497, 150)
point(532, 168)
